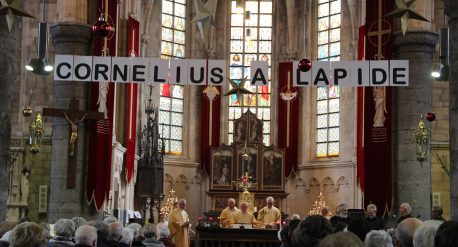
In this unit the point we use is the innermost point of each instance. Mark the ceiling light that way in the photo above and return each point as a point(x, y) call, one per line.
point(40, 65)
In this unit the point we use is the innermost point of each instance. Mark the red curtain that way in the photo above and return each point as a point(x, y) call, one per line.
point(131, 100)
point(360, 115)
point(100, 132)
point(377, 141)
point(291, 150)
point(205, 146)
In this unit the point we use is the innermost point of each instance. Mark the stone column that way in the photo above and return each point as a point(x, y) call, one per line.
point(451, 9)
point(412, 179)
point(9, 73)
point(74, 39)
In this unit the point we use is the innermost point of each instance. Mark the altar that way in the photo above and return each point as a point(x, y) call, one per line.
point(233, 237)
point(247, 164)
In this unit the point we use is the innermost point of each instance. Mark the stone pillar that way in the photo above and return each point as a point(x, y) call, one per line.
point(9, 73)
point(451, 9)
point(412, 179)
point(74, 39)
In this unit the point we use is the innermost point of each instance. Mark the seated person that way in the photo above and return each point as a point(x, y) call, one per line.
point(243, 216)
point(228, 213)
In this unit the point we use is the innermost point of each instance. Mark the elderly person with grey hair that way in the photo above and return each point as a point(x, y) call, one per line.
point(115, 231)
point(110, 219)
point(269, 216)
point(378, 238)
point(374, 221)
point(164, 237)
point(79, 221)
point(86, 236)
point(28, 234)
point(424, 235)
point(103, 232)
point(341, 239)
point(149, 232)
point(127, 237)
point(406, 230)
point(341, 215)
point(64, 230)
point(405, 212)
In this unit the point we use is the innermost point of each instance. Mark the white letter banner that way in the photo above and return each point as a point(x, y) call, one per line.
point(379, 73)
point(120, 69)
point(83, 68)
point(139, 70)
point(196, 71)
point(301, 79)
point(159, 70)
point(341, 73)
point(320, 73)
point(360, 73)
point(101, 69)
point(216, 73)
point(259, 73)
point(179, 71)
point(63, 65)
point(399, 73)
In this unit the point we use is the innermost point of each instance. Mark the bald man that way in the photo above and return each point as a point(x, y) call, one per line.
point(179, 225)
point(269, 216)
point(227, 215)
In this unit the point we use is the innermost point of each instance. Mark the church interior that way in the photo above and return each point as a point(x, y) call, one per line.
point(95, 147)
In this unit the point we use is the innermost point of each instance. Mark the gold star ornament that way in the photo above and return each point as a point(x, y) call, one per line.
point(405, 11)
point(238, 89)
point(11, 11)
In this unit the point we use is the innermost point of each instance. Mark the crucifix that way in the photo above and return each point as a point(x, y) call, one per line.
point(74, 117)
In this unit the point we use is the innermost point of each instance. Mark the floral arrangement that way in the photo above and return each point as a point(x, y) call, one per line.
point(208, 222)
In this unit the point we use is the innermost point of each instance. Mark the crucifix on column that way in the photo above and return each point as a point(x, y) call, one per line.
point(74, 117)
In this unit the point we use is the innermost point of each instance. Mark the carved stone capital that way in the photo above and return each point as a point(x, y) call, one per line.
point(72, 38)
point(415, 41)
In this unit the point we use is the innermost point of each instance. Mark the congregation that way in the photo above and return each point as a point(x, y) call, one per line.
point(312, 231)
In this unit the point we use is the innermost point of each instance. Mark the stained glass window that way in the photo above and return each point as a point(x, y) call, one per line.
point(328, 98)
point(171, 100)
point(251, 40)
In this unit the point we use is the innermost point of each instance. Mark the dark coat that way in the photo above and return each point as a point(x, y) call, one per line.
point(60, 242)
point(403, 218)
point(375, 223)
point(168, 242)
point(150, 242)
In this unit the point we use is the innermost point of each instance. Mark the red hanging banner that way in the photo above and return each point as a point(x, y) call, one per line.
point(131, 101)
point(101, 132)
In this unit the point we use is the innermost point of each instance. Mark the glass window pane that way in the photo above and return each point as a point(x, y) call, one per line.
point(322, 93)
point(265, 7)
point(167, 7)
point(237, 46)
point(334, 105)
point(322, 121)
point(321, 150)
point(334, 91)
point(334, 35)
point(179, 37)
point(323, 24)
point(251, 6)
point(265, 20)
point(322, 107)
point(333, 149)
point(334, 120)
point(179, 24)
point(335, 7)
point(177, 133)
point(265, 34)
point(323, 51)
point(167, 34)
point(333, 134)
point(167, 20)
point(323, 9)
point(322, 135)
point(335, 21)
point(180, 10)
point(237, 33)
point(334, 49)
point(237, 20)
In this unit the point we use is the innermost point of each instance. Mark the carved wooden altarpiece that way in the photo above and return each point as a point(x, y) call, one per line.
point(247, 155)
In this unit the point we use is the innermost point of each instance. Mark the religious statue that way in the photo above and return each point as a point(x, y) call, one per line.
point(102, 102)
point(147, 210)
point(240, 132)
point(74, 134)
point(225, 176)
point(380, 106)
point(25, 185)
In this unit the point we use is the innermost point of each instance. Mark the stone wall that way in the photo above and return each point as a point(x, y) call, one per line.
point(40, 165)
